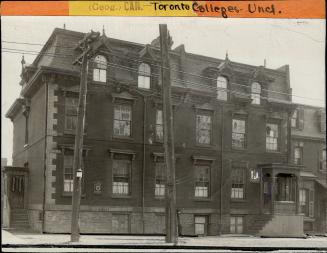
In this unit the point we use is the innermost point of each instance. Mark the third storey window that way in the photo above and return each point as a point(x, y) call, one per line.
point(122, 120)
point(222, 83)
point(202, 181)
point(144, 76)
point(272, 136)
point(100, 69)
point(203, 128)
point(239, 133)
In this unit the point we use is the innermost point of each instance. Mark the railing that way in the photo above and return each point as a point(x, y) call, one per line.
point(284, 207)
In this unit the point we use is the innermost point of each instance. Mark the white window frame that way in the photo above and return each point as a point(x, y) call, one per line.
point(144, 76)
point(100, 69)
point(222, 88)
point(256, 93)
point(236, 224)
point(120, 123)
point(202, 183)
point(121, 186)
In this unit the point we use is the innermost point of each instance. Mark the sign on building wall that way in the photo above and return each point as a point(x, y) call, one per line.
point(97, 187)
point(254, 175)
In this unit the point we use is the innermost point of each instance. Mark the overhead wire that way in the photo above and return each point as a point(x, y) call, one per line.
point(183, 81)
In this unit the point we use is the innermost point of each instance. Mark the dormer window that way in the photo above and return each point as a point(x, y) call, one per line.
point(255, 93)
point(100, 69)
point(144, 76)
point(222, 88)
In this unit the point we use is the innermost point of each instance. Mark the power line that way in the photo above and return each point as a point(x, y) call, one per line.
point(10, 50)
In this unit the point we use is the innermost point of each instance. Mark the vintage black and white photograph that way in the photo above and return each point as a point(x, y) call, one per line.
point(151, 134)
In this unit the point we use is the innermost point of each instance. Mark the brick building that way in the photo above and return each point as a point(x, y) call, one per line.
point(309, 150)
point(234, 167)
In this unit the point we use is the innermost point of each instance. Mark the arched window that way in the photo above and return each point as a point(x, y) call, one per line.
point(144, 76)
point(255, 93)
point(222, 88)
point(100, 69)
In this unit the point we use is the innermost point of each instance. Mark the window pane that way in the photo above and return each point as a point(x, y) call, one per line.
point(144, 76)
point(121, 177)
point(202, 182)
point(203, 127)
point(122, 120)
point(222, 88)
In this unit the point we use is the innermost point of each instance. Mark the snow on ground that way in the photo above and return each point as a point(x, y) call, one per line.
point(226, 240)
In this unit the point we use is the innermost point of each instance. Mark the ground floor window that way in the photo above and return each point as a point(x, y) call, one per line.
point(236, 224)
point(286, 185)
point(304, 201)
point(120, 223)
point(200, 225)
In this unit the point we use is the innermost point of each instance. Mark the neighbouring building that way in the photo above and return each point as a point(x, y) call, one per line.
point(3, 164)
point(309, 150)
point(235, 171)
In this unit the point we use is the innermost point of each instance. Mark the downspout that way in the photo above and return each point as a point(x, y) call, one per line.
point(221, 170)
point(143, 167)
point(45, 155)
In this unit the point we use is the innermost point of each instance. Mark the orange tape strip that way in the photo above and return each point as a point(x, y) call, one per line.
point(34, 8)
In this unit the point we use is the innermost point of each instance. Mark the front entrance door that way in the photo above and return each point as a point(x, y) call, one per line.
point(16, 196)
point(267, 195)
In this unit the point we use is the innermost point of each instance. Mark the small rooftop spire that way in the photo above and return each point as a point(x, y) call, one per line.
point(226, 57)
point(23, 61)
point(103, 31)
point(64, 26)
point(265, 62)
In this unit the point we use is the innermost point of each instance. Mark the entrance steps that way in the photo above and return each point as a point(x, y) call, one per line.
point(258, 223)
point(19, 219)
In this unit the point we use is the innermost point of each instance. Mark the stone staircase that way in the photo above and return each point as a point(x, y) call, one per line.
point(258, 223)
point(19, 219)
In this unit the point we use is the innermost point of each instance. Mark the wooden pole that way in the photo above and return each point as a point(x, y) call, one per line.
point(78, 151)
point(171, 217)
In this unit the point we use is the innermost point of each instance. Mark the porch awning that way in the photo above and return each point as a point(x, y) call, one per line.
point(322, 182)
point(307, 174)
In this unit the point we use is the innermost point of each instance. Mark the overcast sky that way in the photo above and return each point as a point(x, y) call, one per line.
point(299, 43)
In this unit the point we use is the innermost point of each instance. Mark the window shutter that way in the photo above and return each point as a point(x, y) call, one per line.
point(323, 121)
point(311, 203)
point(301, 118)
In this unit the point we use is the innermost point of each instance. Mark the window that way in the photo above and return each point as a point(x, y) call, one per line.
point(202, 181)
point(100, 69)
point(200, 225)
point(222, 88)
point(203, 129)
point(121, 177)
point(122, 120)
point(68, 173)
point(68, 170)
point(120, 223)
point(237, 178)
point(304, 201)
point(298, 154)
point(26, 110)
point(238, 134)
point(236, 224)
point(144, 76)
point(71, 107)
point(285, 188)
point(295, 119)
point(160, 179)
point(322, 166)
point(255, 93)
point(272, 136)
point(159, 125)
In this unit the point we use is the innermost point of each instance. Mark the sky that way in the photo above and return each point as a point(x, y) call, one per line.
point(299, 43)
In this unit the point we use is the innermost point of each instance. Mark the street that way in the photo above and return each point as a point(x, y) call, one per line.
point(32, 242)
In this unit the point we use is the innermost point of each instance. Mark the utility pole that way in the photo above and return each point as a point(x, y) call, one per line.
point(171, 216)
point(79, 136)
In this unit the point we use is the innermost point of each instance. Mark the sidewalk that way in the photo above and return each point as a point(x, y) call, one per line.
point(14, 237)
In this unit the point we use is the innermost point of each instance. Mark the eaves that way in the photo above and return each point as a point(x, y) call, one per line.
point(33, 83)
